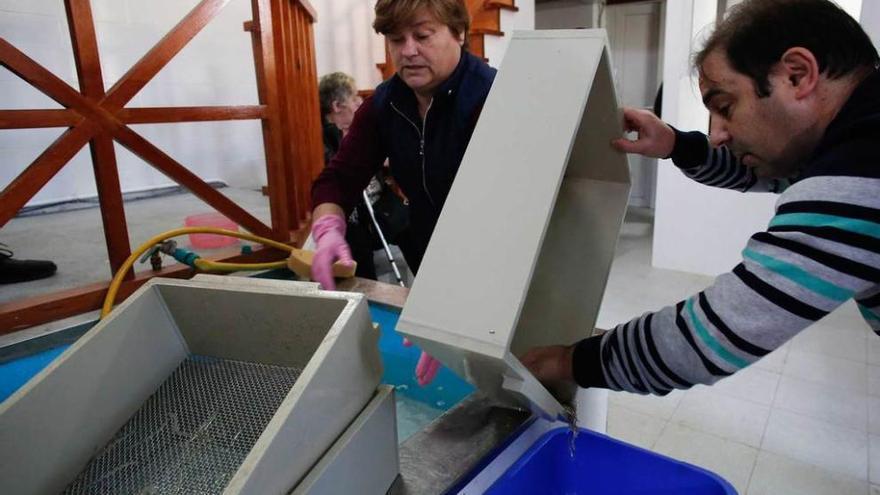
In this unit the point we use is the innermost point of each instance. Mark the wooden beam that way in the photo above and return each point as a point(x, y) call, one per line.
point(285, 47)
point(269, 95)
point(24, 313)
point(135, 143)
point(53, 87)
point(34, 119)
point(380, 292)
point(158, 57)
point(37, 76)
point(309, 9)
point(313, 14)
point(131, 140)
point(110, 199)
point(91, 82)
point(85, 48)
point(166, 115)
point(41, 170)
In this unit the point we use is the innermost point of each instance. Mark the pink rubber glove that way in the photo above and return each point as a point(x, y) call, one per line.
point(329, 234)
point(427, 367)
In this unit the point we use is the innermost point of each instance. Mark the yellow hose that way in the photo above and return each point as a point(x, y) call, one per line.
point(219, 266)
point(299, 258)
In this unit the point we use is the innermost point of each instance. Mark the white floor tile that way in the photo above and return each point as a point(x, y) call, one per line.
point(813, 441)
point(651, 405)
point(874, 380)
point(873, 349)
point(829, 341)
point(838, 406)
point(731, 460)
point(874, 456)
point(753, 384)
point(634, 427)
point(874, 415)
point(834, 372)
point(846, 317)
point(778, 475)
point(775, 361)
point(727, 417)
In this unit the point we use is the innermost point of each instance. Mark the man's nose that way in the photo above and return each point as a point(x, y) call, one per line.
point(718, 133)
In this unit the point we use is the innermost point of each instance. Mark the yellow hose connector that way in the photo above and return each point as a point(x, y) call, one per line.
point(300, 260)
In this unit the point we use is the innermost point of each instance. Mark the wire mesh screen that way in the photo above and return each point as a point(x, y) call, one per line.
point(193, 433)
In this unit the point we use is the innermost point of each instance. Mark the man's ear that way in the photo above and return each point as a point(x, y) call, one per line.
point(801, 71)
point(336, 107)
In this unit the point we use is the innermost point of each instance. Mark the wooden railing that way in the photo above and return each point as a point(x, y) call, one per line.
point(283, 45)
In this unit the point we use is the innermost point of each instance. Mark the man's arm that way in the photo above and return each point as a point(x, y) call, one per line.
point(717, 167)
point(821, 249)
point(692, 153)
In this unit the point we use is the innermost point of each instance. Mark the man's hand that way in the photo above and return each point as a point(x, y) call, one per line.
point(551, 364)
point(656, 139)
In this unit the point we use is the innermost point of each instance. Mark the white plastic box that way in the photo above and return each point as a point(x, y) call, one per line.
point(521, 253)
point(312, 357)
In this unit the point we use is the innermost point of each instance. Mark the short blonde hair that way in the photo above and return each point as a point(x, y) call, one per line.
point(391, 15)
point(335, 87)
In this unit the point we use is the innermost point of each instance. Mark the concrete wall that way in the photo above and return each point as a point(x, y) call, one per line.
point(697, 228)
point(216, 68)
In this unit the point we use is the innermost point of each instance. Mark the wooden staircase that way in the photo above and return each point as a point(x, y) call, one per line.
point(485, 21)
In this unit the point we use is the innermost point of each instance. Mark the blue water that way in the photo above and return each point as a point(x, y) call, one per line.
point(400, 363)
point(417, 406)
point(16, 373)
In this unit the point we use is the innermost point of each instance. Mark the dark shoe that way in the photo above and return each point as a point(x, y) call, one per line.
point(13, 271)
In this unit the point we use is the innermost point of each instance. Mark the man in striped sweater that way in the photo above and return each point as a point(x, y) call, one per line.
point(793, 90)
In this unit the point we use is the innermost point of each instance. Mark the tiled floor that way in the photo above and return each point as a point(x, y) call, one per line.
point(803, 420)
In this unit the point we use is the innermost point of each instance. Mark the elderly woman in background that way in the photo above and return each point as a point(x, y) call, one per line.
point(421, 120)
point(339, 101)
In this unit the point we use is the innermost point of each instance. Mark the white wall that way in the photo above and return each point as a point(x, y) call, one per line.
point(524, 19)
point(216, 68)
point(566, 14)
point(345, 40)
point(698, 228)
point(870, 19)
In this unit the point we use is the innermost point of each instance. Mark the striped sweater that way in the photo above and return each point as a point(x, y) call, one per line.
point(821, 249)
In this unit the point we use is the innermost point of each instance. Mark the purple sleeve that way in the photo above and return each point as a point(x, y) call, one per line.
point(359, 158)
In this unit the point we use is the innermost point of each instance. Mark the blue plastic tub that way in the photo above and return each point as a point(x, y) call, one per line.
point(602, 466)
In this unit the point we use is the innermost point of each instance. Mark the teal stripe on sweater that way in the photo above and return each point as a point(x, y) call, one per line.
point(819, 220)
point(799, 276)
point(868, 314)
point(711, 341)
